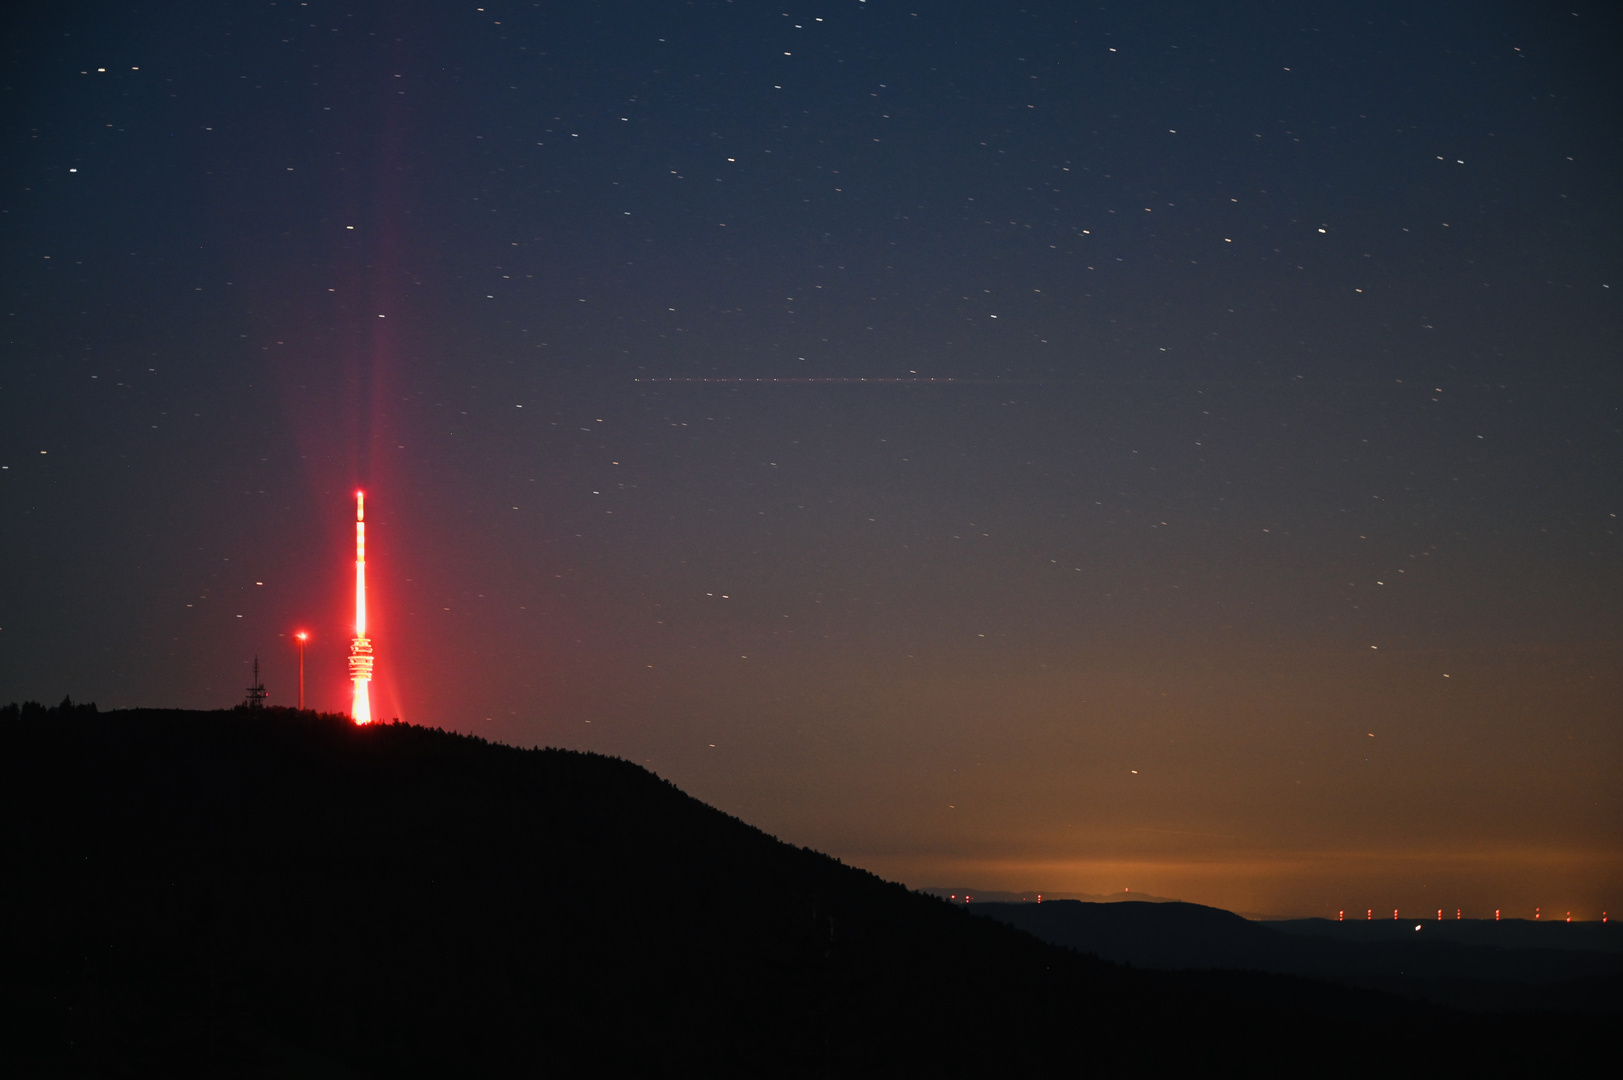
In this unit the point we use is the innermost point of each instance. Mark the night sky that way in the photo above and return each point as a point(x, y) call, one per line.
point(1167, 447)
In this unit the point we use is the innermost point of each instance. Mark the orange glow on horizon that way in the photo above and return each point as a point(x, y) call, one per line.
point(360, 648)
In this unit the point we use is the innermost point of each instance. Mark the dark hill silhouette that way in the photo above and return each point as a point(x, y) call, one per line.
point(1467, 964)
point(271, 893)
point(1169, 935)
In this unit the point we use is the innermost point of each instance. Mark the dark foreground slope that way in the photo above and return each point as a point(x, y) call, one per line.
point(274, 893)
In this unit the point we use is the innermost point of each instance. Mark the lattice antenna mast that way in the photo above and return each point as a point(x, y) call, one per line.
point(256, 692)
point(360, 646)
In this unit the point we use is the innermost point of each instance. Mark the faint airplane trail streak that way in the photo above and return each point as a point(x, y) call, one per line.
point(861, 381)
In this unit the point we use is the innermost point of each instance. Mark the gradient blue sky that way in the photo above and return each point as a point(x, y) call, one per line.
point(1263, 552)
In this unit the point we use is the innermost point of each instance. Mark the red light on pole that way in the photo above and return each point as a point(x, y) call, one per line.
point(302, 637)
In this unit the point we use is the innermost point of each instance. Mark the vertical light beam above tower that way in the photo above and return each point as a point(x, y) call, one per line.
point(360, 647)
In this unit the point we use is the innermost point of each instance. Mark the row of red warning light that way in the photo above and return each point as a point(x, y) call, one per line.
point(1538, 913)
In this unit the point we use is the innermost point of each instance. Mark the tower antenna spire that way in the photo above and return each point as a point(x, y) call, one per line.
point(360, 646)
point(256, 692)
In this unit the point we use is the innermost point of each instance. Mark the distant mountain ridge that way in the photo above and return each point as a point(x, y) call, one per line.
point(1506, 965)
point(1603, 937)
point(276, 893)
point(1036, 896)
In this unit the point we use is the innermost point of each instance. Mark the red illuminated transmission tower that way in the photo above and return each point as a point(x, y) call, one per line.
point(360, 646)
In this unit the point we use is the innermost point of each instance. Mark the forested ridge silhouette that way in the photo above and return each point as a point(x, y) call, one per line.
point(277, 893)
